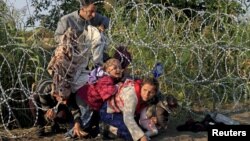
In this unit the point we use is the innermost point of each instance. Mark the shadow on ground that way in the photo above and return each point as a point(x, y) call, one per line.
point(171, 134)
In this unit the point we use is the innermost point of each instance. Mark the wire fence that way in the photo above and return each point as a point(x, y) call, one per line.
point(205, 56)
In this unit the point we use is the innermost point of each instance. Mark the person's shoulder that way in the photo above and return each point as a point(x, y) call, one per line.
point(99, 15)
point(106, 78)
point(70, 15)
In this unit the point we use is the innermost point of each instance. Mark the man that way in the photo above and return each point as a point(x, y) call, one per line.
point(79, 41)
point(88, 27)
point(79, 20)
point(51, 110)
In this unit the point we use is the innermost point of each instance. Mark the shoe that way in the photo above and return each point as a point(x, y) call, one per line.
point(55, 128)
point(106, 134)
point(40, 131)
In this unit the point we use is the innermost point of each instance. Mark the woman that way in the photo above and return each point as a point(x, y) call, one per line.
point(91, 97)
point(120, 110)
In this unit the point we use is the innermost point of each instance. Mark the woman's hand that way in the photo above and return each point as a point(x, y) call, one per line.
point(144, 138)
point(77, 131)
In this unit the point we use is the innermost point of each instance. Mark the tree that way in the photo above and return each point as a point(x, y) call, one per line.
point(6, 23)
point(49, 12)
point(233, 7)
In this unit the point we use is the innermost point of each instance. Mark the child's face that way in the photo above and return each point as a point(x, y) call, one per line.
point(115, 70)
point(147, 92)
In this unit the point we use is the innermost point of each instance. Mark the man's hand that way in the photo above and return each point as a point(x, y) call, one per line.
point(101, 28)
point(50, 114)
point(77, 131)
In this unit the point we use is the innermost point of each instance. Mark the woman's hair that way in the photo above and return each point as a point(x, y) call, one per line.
point(109, 63)
point(122, 54)
point(152, 81)
point(86, 2)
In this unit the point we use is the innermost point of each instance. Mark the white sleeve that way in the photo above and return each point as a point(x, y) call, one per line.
point(61, 28)
point(97, 44)
point(130, 101)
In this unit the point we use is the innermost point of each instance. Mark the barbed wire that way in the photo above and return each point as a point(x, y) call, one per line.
point(205, 58)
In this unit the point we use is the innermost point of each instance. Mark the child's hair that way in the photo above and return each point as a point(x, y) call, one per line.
point(109, 63)
point(172, 102)
point(152, 81)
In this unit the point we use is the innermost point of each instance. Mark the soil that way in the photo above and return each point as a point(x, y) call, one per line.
point(171, 134)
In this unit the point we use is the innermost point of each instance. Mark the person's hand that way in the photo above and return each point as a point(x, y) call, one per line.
point(59, 98)
point(77, 131)
point(101, 28)
point(56, 96)
point(119, 84)
point(50, 114)
point(153, 120)
point(144, 138)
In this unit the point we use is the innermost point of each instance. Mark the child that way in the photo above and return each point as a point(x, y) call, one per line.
point(91, 96)
point(155, 117)
point(123, 55)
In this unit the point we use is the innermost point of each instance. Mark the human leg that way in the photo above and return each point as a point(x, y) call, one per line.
point(116, 120)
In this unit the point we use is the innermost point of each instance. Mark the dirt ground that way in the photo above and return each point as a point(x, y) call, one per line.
point(171, 134)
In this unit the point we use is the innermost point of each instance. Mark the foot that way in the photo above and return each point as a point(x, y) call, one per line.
point(55, 128)
point(40, 131)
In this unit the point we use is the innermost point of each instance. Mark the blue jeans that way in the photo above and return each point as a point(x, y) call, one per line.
point(116, 120)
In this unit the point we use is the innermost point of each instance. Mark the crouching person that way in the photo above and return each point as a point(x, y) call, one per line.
point(119, 111)
point(54, 108)
point(155, 117)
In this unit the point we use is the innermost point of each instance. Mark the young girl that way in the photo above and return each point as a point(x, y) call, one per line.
point(94, 94)
point(90, 97)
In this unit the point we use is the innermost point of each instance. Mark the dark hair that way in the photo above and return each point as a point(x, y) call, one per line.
point(172, 101)
point(152, 81)
point(86, 2)
point(123, 55)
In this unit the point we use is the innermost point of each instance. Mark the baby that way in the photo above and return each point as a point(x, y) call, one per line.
point(155, 117)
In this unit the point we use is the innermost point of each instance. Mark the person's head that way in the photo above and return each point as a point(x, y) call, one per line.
point(113, 67)
point(149, 88)
point(88, 9)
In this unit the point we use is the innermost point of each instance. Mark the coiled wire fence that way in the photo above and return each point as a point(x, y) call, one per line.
point(205, 56)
